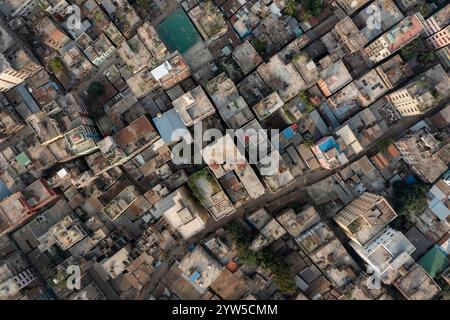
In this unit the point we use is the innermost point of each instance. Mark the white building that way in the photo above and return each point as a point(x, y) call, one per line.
point(182, 212)
point(387, 253)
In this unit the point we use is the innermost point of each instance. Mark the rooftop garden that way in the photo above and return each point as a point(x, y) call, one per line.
point(210, 19)
point(289, 115)
point(304, 96)
point(203, 184)
point(355, 226)
point(309, 244)
point(429, 87)
point(56, 65)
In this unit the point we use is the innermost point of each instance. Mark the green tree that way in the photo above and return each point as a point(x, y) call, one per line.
point(411, 50)
point(247, 256)
point(284, 282)
point(310, 108)
point(291, 7)
point(282, 274)
point(144, 4)
point(313, 7)
point(56, 65)
point(304, 97)
point(260, 45)
point(384, 144)
point(306, 15)
point(425, 9)
point(410, 200)
point(96, 89)
point(309, 142)
point(426, 57)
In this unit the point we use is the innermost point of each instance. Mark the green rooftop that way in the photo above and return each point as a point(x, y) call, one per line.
point(434, 261)
point(203, 184)
point(178, 32)
point(23, 159)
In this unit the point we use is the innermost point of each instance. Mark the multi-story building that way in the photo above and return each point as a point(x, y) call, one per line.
point(424, 93)
point(443, 55)
point(83, 139)
point(98, 50)
point(200, 269)
point(401, 34)
point(437, 32)
point(172, 71)
point(182, 212)
point(417, 284)
point(350, 6)
point(210, 194)
point(10, 122)
point(387, 253)
point(52, 36)
point(422, 151)
point(21, 206)
point(439, 197)
point(440, 39)
point(332, 153)
point(77, 63)
point(437, 29)
point(227, 162)
point(194, 106)
point(365, 217)
point(365, 220)
point(55, 6)
point(344, 38)
point(17, 63)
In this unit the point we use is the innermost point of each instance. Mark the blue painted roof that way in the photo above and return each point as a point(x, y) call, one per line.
point(288, 133)
point(328, 144)
point(329, 115)
point(29, 101)
point(167, 123)
point(194, 276)
point(4, 191)
point(410, 180)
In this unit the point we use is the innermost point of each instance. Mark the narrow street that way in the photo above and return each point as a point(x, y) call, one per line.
point(296, 192)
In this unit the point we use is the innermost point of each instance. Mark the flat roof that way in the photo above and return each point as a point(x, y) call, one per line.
point(178, 32)
point(167, 123)
point(23, 159)
point(434, 261)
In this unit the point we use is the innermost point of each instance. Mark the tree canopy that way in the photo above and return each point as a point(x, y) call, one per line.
point(56, 65)
point(96, 89)
point(282, 275)
point(313, 7)
point(410, 200)
point(384, 144)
